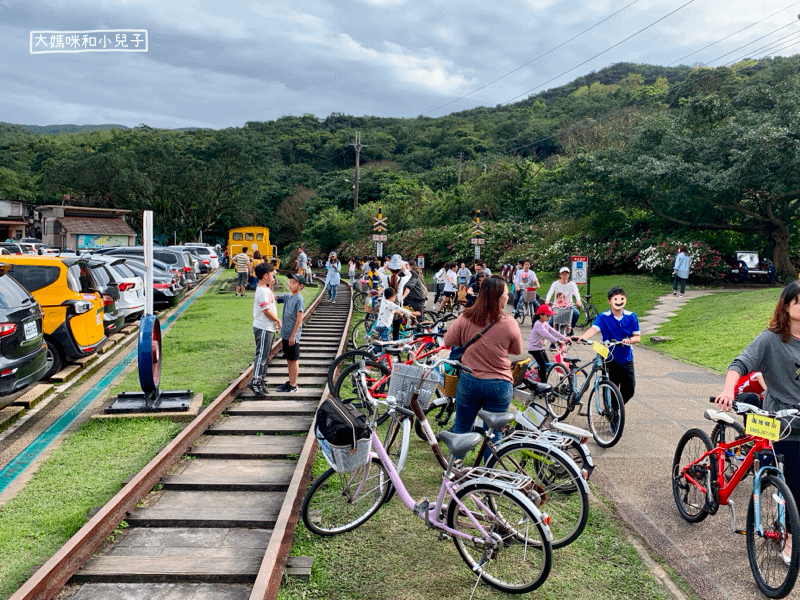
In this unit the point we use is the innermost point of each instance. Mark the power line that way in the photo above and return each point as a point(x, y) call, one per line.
point(532, 60)
point(603, 52)
point(731, 35)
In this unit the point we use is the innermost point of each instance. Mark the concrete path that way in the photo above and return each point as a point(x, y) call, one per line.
point(671, 398)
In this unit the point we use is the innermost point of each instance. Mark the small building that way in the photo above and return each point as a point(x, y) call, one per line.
point(13, 220)
point(84, 227)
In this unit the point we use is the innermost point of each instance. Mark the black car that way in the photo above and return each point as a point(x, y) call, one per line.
point(166, 285)
point(23, 353)
point(172, 258)
point(106, 284)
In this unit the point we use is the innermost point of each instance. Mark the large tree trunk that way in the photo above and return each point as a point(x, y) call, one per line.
point(780, 254)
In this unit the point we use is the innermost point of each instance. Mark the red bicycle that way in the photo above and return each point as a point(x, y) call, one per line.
point(704, 477)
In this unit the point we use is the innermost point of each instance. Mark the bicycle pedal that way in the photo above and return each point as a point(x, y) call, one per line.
point(444, 536)
point(740, 531)
point(421, 507)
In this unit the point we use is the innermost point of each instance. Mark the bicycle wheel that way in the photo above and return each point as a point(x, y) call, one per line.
point(348, 384)
point(606, 412)
point(560, 399)
point(359, 335)
point(439, 413)
point(557, 481)
point(346, 359)
point(590, 314)
point(727, 432)
point(777, 518)
point(339, 502)
point(520, 314)
point(518, 557)
point(691, 501)
point(358, 299)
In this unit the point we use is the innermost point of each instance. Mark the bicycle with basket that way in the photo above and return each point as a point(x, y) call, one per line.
point(498, 531)
point(703, 479)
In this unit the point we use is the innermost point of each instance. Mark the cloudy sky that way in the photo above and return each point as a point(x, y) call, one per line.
point(220, 64)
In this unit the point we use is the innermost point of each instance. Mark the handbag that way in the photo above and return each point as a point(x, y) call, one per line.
point(451, 374)
point(341, 424)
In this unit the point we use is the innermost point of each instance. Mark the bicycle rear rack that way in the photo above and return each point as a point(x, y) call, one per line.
point(513, 481)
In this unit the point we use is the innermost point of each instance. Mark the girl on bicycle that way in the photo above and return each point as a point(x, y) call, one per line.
point(776, 354)
point(541, 333)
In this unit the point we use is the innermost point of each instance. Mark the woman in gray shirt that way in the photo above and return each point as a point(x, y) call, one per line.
point(776, 353)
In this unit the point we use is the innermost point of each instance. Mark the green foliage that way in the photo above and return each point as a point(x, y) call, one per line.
point(707, 264)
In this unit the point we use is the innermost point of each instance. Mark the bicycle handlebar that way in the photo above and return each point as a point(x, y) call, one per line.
point(744, 408)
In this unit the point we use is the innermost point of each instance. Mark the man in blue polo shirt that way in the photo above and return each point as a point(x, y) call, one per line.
point(623, 326)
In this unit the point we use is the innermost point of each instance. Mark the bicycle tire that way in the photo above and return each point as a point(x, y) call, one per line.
point(559, 400)
point(727, 432)
point(346, 385)
point(606, 414)
point(590, 314)
point(346, 359)
point(438, 415)
point(333, 493)
point(692, 503)
point(557, 481)
point(520, 559)
point(520, 314)
point(358, 300)
point(359, 335)
point(774, 578)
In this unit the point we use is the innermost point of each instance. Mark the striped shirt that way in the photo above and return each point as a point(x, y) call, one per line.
point(242, 262)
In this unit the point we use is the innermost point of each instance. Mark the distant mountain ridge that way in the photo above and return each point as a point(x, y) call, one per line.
point(55, 129)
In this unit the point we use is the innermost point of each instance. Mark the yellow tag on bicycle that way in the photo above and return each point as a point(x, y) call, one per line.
point(763, 427)
point(600, 349)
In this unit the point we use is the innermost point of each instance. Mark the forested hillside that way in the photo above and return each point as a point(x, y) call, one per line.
point(615, 163)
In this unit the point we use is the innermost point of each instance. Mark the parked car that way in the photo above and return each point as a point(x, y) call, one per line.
point(12, 248)
point(206, 252)
point(131, 287)
point(166, 286)
point(165, 255)
point(197, 264)
point(73, 308)
point(23, 352)
point(749, 267)
point(107, 285)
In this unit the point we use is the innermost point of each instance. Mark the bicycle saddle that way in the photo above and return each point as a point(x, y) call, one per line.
point(495, 420)
point(459, 443)
point(538, 388)
point(573, 360)
point(718, 415)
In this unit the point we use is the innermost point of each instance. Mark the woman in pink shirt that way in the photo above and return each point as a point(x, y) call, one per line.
point(489, 386)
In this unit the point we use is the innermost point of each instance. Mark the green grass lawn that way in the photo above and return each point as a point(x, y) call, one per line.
point(713, 330)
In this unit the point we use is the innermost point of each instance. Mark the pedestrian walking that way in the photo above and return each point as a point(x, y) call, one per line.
point(242, 263)
point(293, 309)
point(265, 324)
point(333, 276)
point(680, 270)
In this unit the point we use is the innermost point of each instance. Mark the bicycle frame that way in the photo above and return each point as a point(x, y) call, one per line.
point(725, 489)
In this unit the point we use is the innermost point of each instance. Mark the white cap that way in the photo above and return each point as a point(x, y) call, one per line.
point(563, 270)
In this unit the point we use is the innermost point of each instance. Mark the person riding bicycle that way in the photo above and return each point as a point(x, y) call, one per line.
point(450, 284)
point(775, 352)
point(541, 333)
point(524, 279)
point(570, 291)
point(474, 289)
point(623, 326)
point(415, 293)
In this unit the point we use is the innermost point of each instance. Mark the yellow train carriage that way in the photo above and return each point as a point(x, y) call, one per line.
point(253, 238)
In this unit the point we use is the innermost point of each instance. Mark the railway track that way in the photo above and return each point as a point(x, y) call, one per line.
point(213, 514)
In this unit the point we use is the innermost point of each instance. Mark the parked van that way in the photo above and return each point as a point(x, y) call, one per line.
point(72, 307)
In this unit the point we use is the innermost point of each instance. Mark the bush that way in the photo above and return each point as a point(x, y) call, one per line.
point(707, 264)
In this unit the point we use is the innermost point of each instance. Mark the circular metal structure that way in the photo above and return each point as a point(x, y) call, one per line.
point(149, 353)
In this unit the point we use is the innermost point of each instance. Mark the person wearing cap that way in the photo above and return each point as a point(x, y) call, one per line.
point(542, 333)
point(395, 276)
point(293, 308)
point(570, 290)
point(524, 278)
point(333, 276)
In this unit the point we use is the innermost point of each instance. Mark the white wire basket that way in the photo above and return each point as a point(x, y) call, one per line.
point(563, 316)
point(529, 296)
point(344, 459)
point(405, 379)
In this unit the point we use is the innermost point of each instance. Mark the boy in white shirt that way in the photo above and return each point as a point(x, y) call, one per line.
point(265, 324)
point(383, 324)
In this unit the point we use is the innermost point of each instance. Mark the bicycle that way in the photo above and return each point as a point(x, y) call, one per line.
point(605, 409)
point(702, 482)
point(590, 312)
point(526, 306)
point(452, 305)
point(498, 531)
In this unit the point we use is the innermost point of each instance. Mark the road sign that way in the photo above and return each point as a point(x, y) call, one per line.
point(379, 250)
point(380, 223)
point(477, 252)
point(580, 270)
point(379, 238)
point(477, 241)
point(421, 261)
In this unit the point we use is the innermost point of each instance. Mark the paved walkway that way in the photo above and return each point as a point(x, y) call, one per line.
point(671, 397)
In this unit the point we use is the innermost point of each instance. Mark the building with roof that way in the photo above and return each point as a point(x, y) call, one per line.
point(85, 227)
point(13, 220)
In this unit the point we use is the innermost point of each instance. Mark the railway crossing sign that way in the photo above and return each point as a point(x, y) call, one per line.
point(477, 241)
point(379, 238)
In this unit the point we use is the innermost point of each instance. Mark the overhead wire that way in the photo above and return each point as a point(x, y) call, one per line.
point(561, 45)
point(603, 52)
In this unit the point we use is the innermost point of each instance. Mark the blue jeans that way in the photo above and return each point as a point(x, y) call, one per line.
point(473, 394)
point(332, 288)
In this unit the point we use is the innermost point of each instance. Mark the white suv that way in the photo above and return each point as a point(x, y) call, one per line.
point(206, 252)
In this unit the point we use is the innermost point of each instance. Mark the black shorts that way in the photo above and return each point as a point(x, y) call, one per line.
point(291, 352)
point(417, 305)
point(448, 294)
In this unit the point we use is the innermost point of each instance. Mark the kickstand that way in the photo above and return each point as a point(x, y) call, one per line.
point(733, 519)
point(475, 587)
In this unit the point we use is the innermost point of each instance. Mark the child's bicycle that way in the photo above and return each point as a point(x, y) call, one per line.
point(703, 479)
point(526, 306)
point(498, 531)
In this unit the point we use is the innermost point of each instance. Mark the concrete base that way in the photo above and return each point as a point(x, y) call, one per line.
point(179, 416)
point(10, 414)
point(33, 396)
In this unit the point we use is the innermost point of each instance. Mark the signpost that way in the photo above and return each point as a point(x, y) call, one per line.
point(379, 237)
point(580, 272)
point(477, 231)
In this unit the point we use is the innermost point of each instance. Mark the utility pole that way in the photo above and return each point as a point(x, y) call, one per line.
point(357, 145)
point(460, 160)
